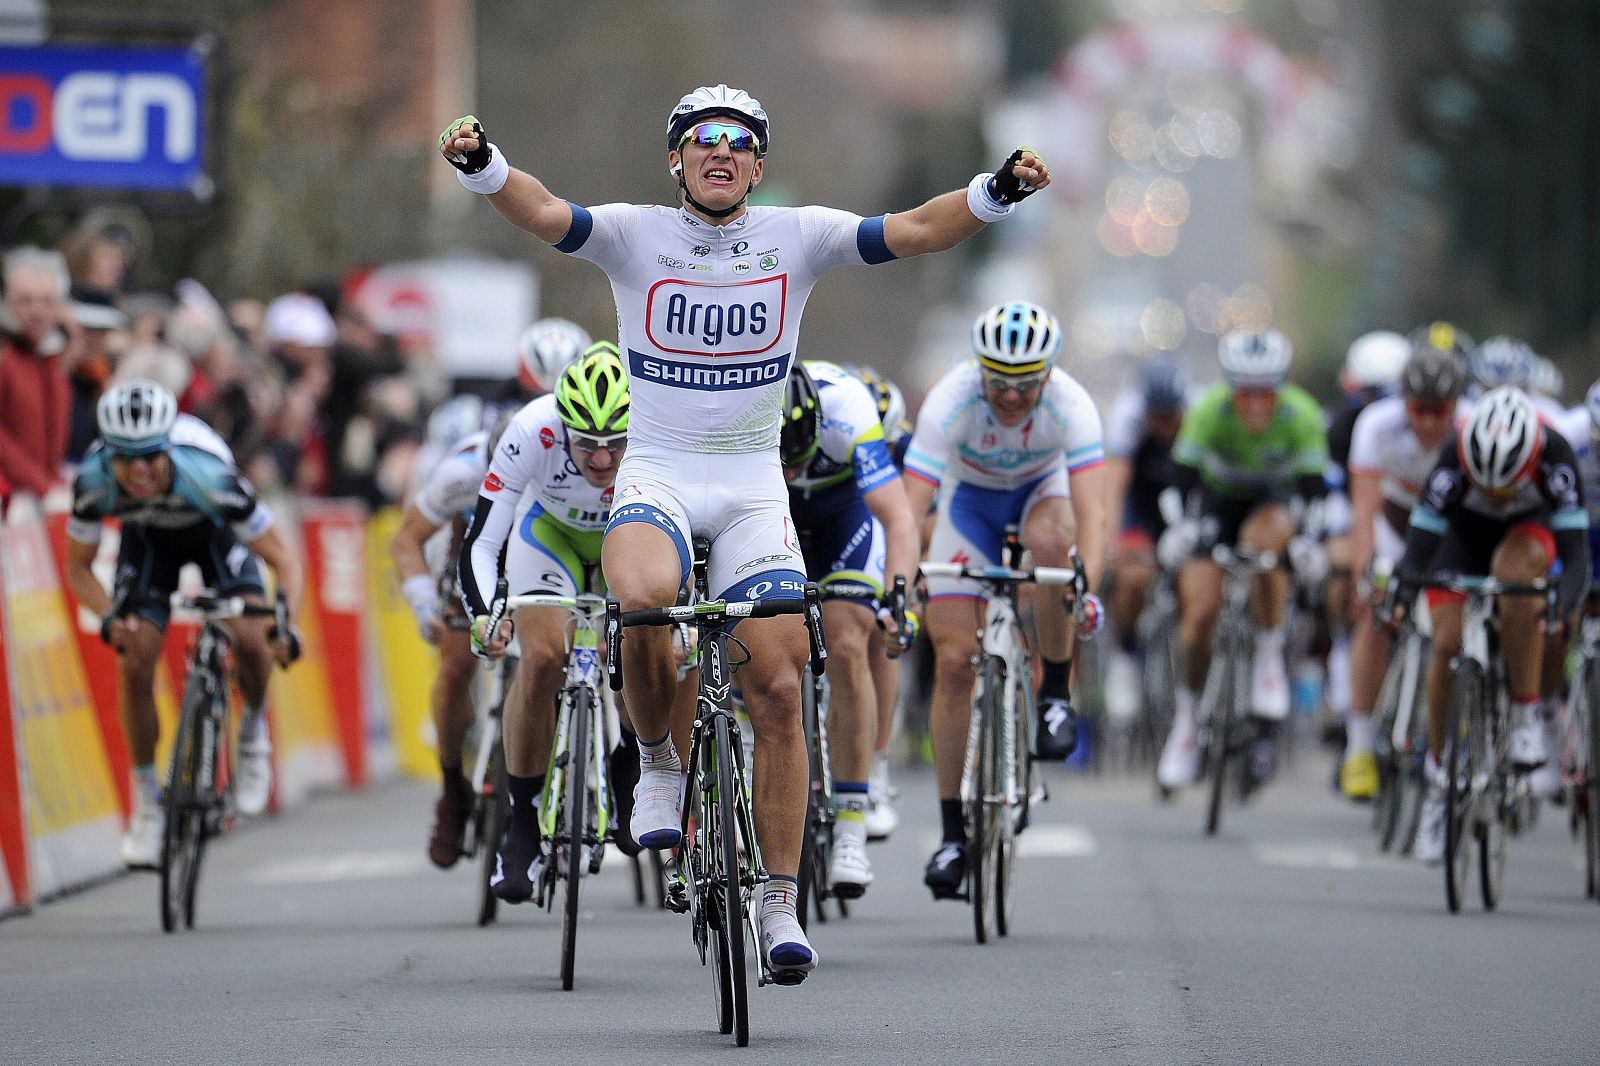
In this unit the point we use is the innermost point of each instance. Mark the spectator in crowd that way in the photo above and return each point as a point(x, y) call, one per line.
point(100, 255)
point(102, 329)
point(35, 397)
point(300, 332)
point(356, 427)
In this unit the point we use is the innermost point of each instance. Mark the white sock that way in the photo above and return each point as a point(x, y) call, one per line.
point(253, 725)
point(1339, 675)
point(1358, 731)
point(1183, 712)
point(1269, 640)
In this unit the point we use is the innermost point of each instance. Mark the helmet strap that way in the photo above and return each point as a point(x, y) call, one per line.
point(688, 197)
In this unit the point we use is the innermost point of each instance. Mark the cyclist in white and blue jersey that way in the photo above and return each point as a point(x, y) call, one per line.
point(1007, 438)
point(709, 297)
point(171, 483)
point(856, 530)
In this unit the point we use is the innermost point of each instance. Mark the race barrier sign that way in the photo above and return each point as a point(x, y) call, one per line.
point(103, 117)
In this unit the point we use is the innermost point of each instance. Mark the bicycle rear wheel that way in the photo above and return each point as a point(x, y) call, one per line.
point(208, 809)
point(1219, 748)
point(1390, 800)
point(728, 880)
point(1591, 784)
point(1491, 833)
point(1463, 739)
point(812, 878)
point(180, 840)
point(575, 824)
point(699, 859)
point(492, 816)
point(984, 832)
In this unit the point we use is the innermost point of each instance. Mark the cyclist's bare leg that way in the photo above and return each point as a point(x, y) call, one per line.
point(1133, 572)
point(1199, 603)
point(642, 571)
point(252, 655)
point(1048, 533)
point(852, 705)
point(952, 626)
point(886, 688)
point(1369, 659)
point(1521, 559)
point(530, 718)
point(1445, 614)
point(136, 667)
point(1269, 528)
point(451, 697)
point(771, 685)
point(1341, 584)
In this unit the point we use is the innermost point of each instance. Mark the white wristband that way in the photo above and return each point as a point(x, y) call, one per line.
point(490, 179)
point(983, 206)
point(422, 595)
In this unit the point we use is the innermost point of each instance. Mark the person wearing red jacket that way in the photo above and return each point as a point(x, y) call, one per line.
point(35, 398)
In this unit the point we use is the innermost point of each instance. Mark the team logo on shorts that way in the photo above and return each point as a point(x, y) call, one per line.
point(547, 437)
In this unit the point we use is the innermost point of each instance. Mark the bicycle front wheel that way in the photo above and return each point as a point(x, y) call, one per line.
point(1390, 799)
point(180, 840)
point(728, 880)
point(576, 822)
point(492, 816)
point(1463, 731)
point(983, 817)
point(1010, 771)
point(1591, 782)
point(1219, 748)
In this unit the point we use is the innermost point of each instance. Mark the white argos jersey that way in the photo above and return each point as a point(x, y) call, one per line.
point(1382, 444)
point(958, 437)
point(709, 316)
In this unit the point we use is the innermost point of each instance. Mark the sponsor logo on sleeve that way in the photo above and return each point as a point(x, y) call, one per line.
point(547, 437)
point(492, 483)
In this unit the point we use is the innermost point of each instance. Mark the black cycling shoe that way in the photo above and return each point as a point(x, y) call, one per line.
point(622, 769)
point(1056, 735)
point(946, 873)
point(1263, 761)
point(515, 866)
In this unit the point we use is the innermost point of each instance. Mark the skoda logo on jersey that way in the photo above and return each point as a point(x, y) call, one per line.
point(742, 267)
point(686, 317)
point(769, 262)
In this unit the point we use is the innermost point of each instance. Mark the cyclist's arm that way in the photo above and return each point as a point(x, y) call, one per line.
point(1119, 475)
point(523, 200)
point(919, 496)
point(1569, 520)
point(85, 587)
point(946, 220)
point(1366, 500)
point(406, 547)
point(275, 551)
point(890, 504)
point(1442, 493)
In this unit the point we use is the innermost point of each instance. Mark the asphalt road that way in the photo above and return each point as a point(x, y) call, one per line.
point(323, 936)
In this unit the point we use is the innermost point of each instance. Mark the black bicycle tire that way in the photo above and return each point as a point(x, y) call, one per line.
point(1592, 779)
point(702, 858)
point(806, 877)
point(1465, 694)
point(981, 836)
point(1006, 842)
point(732, 889)
point(177, 801)
point(577, 822)
point(1220, 747)
point(1387, 804)
point(492, 823)
point(208, 798)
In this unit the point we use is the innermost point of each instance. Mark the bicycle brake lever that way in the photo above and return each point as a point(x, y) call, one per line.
point(819, 646)
point(613, 644)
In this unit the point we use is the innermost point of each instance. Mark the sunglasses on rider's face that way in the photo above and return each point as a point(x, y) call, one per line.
point(1021, 385)
point(129, 458)
point(707, 134)
point(1428, 410)
point(585, 443)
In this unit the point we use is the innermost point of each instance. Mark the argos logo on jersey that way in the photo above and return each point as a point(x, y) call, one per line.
point(701, 318)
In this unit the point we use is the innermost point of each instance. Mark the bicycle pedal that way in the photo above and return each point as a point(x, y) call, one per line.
point(677, 899)
point(847, 891)
point(788, 978)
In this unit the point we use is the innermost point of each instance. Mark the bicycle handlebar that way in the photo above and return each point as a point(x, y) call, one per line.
point(1003, 575)
point(214, 608)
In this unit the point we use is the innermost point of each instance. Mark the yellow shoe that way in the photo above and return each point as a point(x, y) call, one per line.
point(1358, 777)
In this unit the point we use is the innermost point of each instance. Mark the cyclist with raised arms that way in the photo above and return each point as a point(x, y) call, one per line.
point(1140, 432)
point(1392, 450)
point(1251, 451)
point(1504, 500)
point(709, 298)
point(562, 449)
point(172, 484)
point(1006, 438)
point(856, 532)
point(425, 549)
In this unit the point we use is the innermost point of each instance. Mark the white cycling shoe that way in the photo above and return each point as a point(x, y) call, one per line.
point(1527, 741)
point(851, 872)
point(1124, 687)
point(789, 954)
point(1180, 758)
point(882, 818)
point(252, 786)
point(657, 820)
point(141, 844)
point(1430, 832)
point(1269, 682)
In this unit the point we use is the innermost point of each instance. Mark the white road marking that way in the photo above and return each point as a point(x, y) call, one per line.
point(1044, 842)
point(350, 866)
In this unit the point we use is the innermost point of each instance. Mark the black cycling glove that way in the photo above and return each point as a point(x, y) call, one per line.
point(474, 161)
point(1005, 186)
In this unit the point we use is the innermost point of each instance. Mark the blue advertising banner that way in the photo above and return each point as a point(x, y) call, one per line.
point(103, 117)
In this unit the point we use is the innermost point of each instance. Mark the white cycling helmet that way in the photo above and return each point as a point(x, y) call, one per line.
point(548, 347)
point(454, 419)
point(136, 416)
point(1502, 361)
point(710, 100)
point(1500, 445)
point(1592, 402)
point(1255, 360)
point(1375, 359)
point(1545, 378)
point(1018, 339)
point(891, 408)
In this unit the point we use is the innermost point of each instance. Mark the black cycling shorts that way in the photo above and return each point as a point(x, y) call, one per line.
point(1469, 544)
point(149, 560)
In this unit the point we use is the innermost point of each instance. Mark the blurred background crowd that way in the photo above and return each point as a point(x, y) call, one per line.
point(319, 283)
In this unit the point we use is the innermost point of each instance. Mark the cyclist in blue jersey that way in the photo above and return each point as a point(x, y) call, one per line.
point(856, 531)
point(709, 296)
point(170, 481)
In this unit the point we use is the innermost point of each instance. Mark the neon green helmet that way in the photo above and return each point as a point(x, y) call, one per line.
point(592, 393)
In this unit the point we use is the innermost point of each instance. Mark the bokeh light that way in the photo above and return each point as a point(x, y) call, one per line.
point(1125, 198)
point(1132, 137)
point(1249, 308)
point(1154, 239)
point(1167, 201)
point(1115, 237)
point(1163, 325)
point(1218, 133)
point(1094, 333)
point(1207, 307)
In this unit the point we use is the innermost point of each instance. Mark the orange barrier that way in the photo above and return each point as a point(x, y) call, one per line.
point(13, 833)
point(335, 540)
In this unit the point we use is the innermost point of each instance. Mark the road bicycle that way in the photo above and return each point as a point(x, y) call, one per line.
point(1482, 791)
point(1583, 719)
point(718, 864)
point(198, 799)
point(999, 783)
point(1400, 735)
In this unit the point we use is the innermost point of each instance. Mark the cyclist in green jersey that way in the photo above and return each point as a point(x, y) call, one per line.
point(1250, 455)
